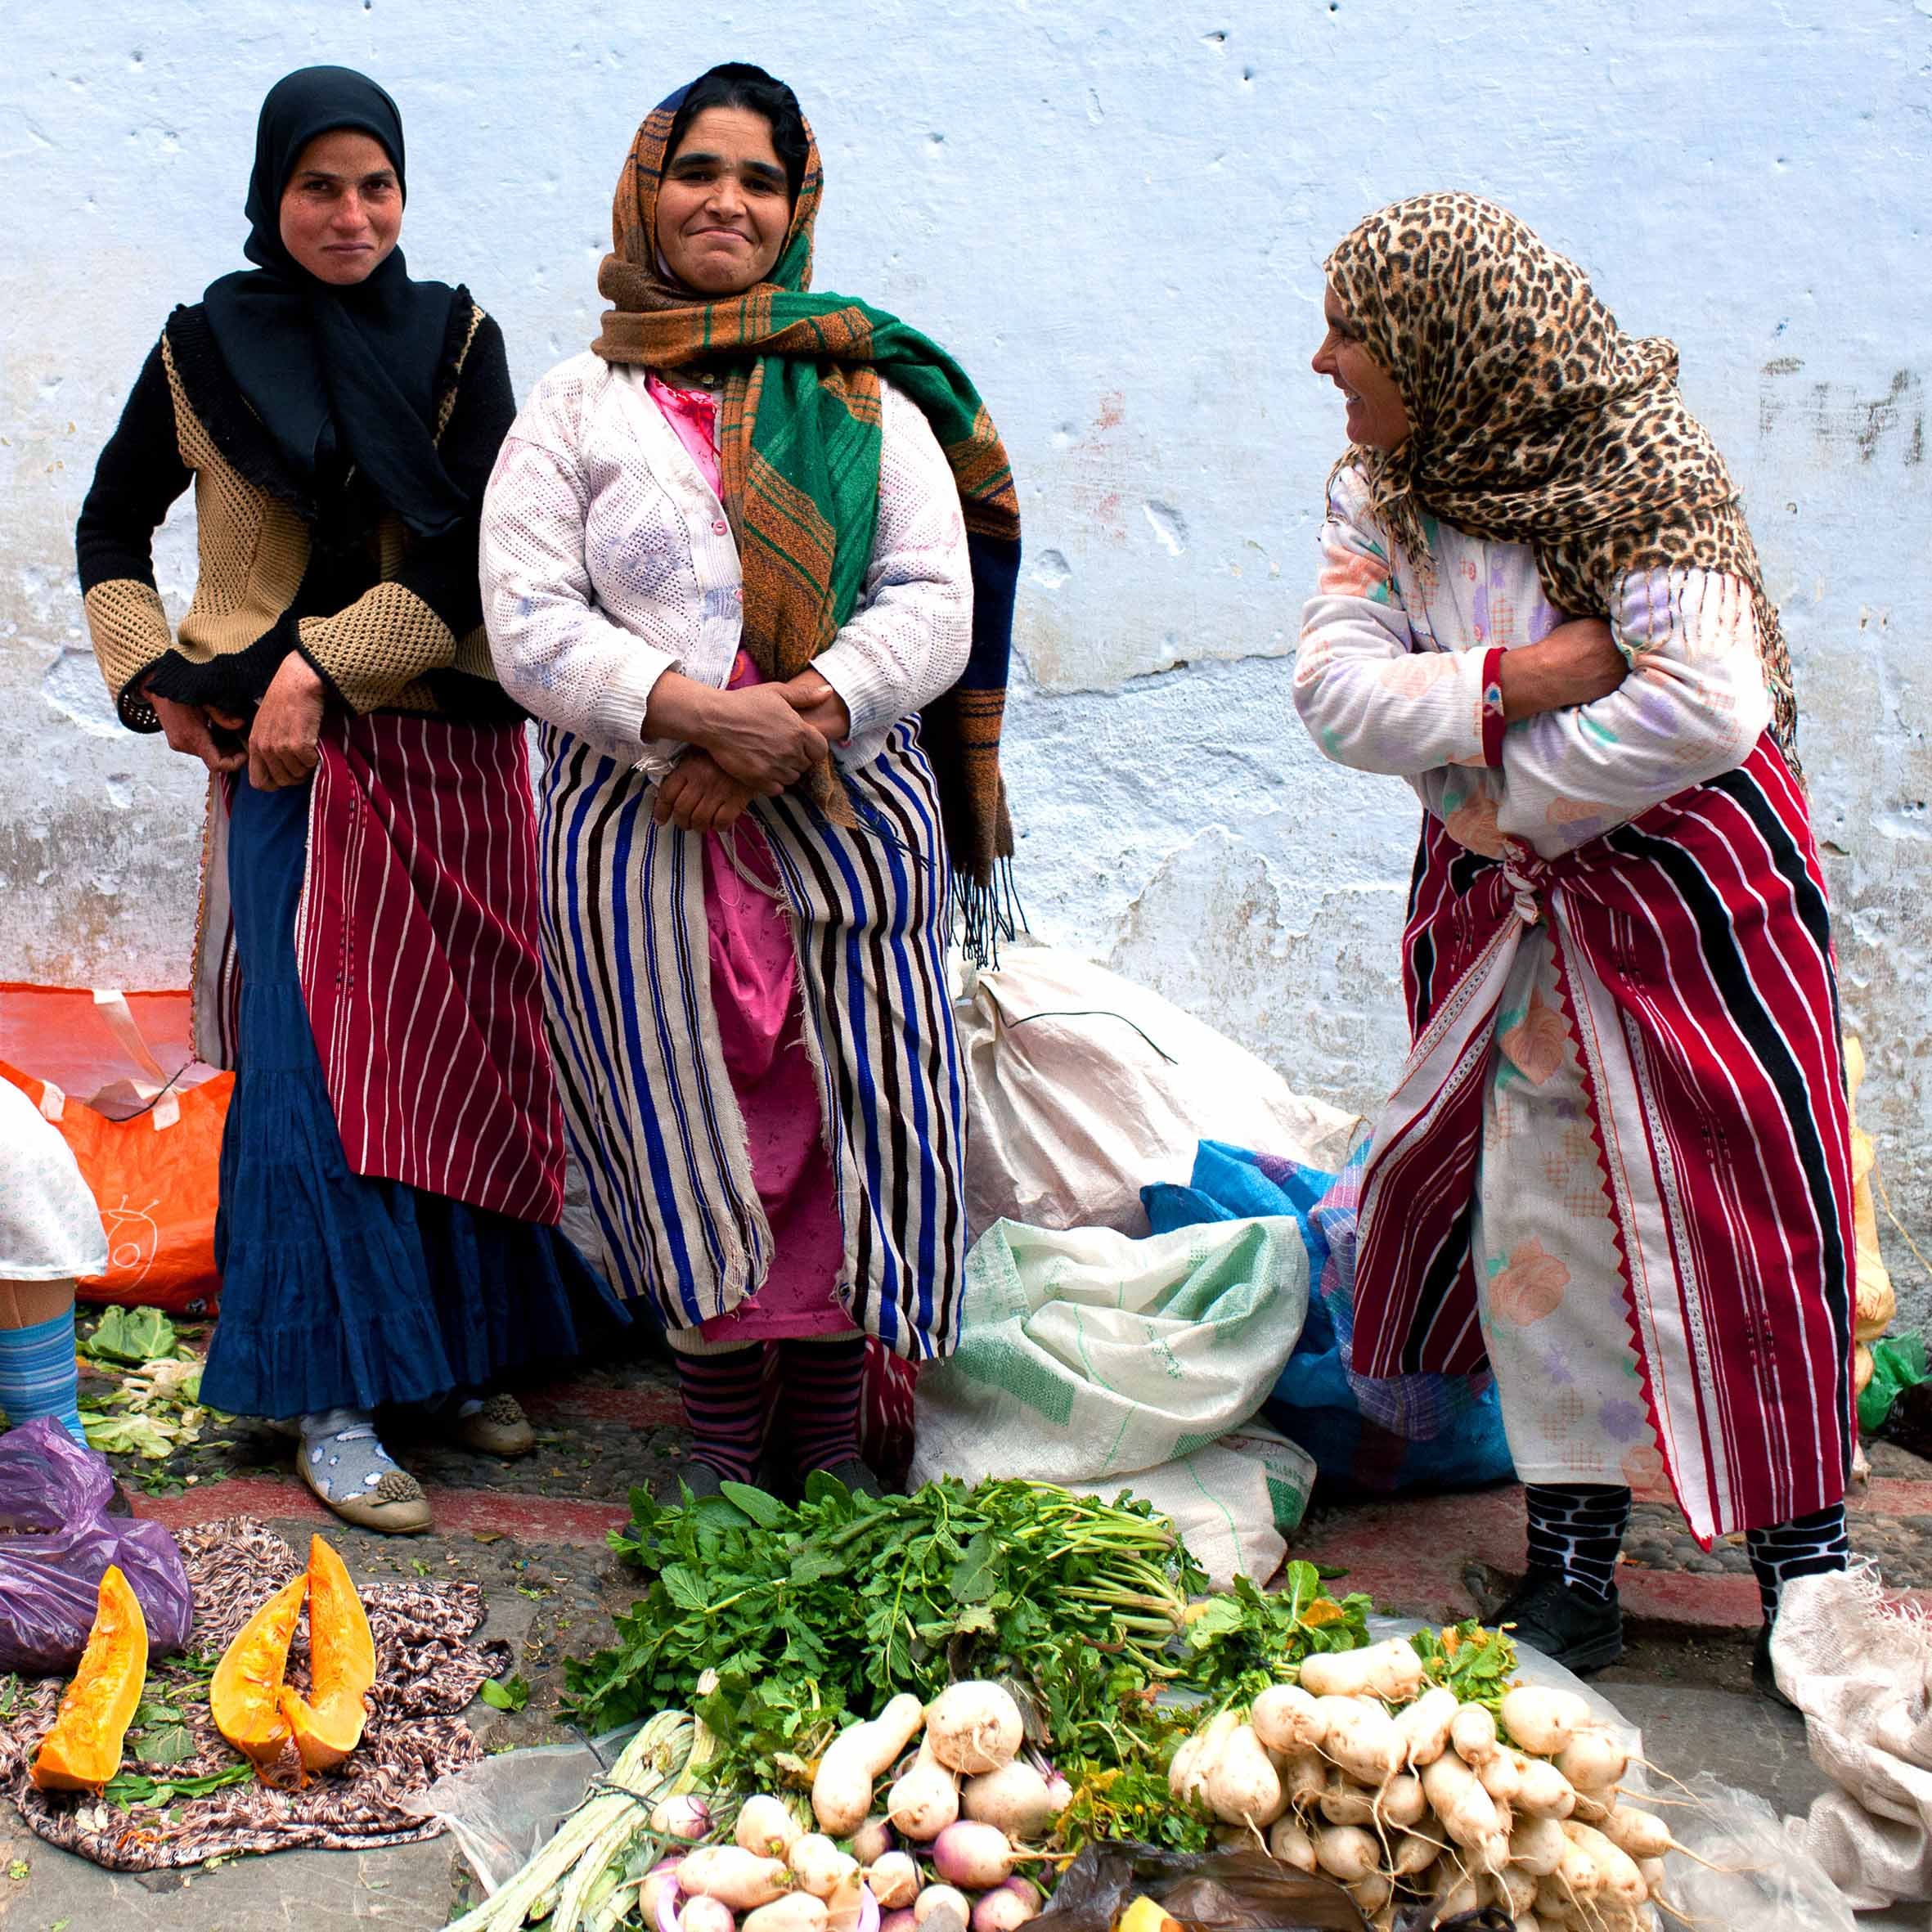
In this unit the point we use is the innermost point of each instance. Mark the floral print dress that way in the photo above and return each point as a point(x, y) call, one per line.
point(1395, 674)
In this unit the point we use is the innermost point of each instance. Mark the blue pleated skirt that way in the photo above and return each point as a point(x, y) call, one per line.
point(338, 1290)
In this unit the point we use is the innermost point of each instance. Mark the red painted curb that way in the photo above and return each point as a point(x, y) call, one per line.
point(527, 1519)
point(1892, 1496)
point(1684, 1599)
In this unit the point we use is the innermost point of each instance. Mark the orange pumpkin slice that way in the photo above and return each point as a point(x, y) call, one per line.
point(244, 1694)
point(83, 1750)
point(328, 1725)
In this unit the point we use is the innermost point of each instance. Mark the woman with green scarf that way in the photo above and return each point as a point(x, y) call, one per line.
point(751, 562)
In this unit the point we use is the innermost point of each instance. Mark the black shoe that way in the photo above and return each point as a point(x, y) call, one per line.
point(701, 1480)
point(856, 1475)
point(1580, 1632)
point(1762, 1673)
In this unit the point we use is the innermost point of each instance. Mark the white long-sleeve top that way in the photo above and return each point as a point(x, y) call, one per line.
point(1391, 677)
point(607, 560)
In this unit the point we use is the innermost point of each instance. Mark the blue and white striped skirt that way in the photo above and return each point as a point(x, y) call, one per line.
point(648, 1104)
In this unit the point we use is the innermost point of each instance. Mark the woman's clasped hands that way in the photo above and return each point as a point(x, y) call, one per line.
point(750, 743)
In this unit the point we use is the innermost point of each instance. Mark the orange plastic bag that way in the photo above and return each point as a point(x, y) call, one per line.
point(154, 1175)
point(155, 1181)
point(101, 1044)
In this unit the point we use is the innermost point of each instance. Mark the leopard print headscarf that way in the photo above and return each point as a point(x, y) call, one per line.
point(1535, 420)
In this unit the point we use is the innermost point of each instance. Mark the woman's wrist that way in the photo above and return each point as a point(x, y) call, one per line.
point(1517, 676)
point(682, 709)
point(1531, 686)
point(823, 706)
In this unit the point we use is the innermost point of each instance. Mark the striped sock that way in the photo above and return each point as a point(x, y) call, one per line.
point(1807, 1546)
point(38, 1375)
point(1577, 1529)
point(725, 1404)
point(822, 1382)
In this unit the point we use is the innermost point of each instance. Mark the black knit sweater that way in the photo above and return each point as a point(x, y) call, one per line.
point(389, 621)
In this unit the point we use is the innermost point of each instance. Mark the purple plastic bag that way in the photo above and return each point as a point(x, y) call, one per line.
point(50, 1585)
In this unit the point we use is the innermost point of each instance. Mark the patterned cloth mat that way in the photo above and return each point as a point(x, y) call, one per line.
point(153, 1817)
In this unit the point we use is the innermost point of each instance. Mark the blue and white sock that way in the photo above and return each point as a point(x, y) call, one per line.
point(38, 1375)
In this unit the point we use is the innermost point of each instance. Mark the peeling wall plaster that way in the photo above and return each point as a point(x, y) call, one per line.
point(1115, 214)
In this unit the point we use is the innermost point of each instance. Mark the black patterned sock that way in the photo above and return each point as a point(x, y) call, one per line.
point(1577, 1529)
point(1806, 1546)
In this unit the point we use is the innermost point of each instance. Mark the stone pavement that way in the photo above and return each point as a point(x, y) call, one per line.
point(531, 1535)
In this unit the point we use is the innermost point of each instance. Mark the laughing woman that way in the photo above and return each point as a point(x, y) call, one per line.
point(393, 1164)
point(751, 560)
point(1617, 1163)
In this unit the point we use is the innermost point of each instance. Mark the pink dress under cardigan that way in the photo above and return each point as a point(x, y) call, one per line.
point(754, 991)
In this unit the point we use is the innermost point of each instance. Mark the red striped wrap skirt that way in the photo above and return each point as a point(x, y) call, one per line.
point(1694, 954)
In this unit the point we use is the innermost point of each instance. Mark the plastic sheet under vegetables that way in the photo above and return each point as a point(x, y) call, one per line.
point(50, 1580)
point(504, 1810)
point(1765, 1881)
point(1224, 1891)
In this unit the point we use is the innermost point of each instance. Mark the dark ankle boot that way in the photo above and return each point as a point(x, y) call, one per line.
point(699, 1478)
point(1571, 1628)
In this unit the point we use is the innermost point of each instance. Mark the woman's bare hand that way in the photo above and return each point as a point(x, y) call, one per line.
point(700, 795)
point(760, 740)
point(812, 697)
point(1577, 664)
point(185, 727)
point(281, 742)
point(753, 733)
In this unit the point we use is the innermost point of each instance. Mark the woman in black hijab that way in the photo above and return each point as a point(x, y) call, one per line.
point(392, 1168)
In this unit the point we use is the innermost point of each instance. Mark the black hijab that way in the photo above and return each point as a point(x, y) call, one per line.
point(338, 375)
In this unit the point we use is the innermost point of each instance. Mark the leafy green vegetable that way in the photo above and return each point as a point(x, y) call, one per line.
point(129, 1336)
point(1130, 1801)
point(1247, 1638)
point(130, 1788)
point(130, 1434)
point(510, 1693)
point(808, 1617)
point(812, 1615)
point(1477, 1663)
point(156, 1407)
point(164, 1744)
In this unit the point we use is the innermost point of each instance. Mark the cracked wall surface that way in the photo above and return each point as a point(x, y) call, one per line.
point(1115, 212)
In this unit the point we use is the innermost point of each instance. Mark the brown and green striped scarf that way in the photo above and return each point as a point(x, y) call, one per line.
point(799, 449)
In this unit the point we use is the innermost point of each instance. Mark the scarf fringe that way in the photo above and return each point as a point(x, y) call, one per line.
point(979, 916)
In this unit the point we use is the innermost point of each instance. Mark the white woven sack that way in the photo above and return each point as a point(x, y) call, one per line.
point(1235, 1502)
point(1085, 1355)
point(1083, 1088)
point(1859, 1672)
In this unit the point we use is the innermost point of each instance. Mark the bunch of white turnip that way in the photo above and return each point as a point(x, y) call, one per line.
point(965, 1804)
point(1396, 1788)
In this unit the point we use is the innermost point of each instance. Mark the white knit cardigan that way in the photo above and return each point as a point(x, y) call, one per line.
point(607, 560)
